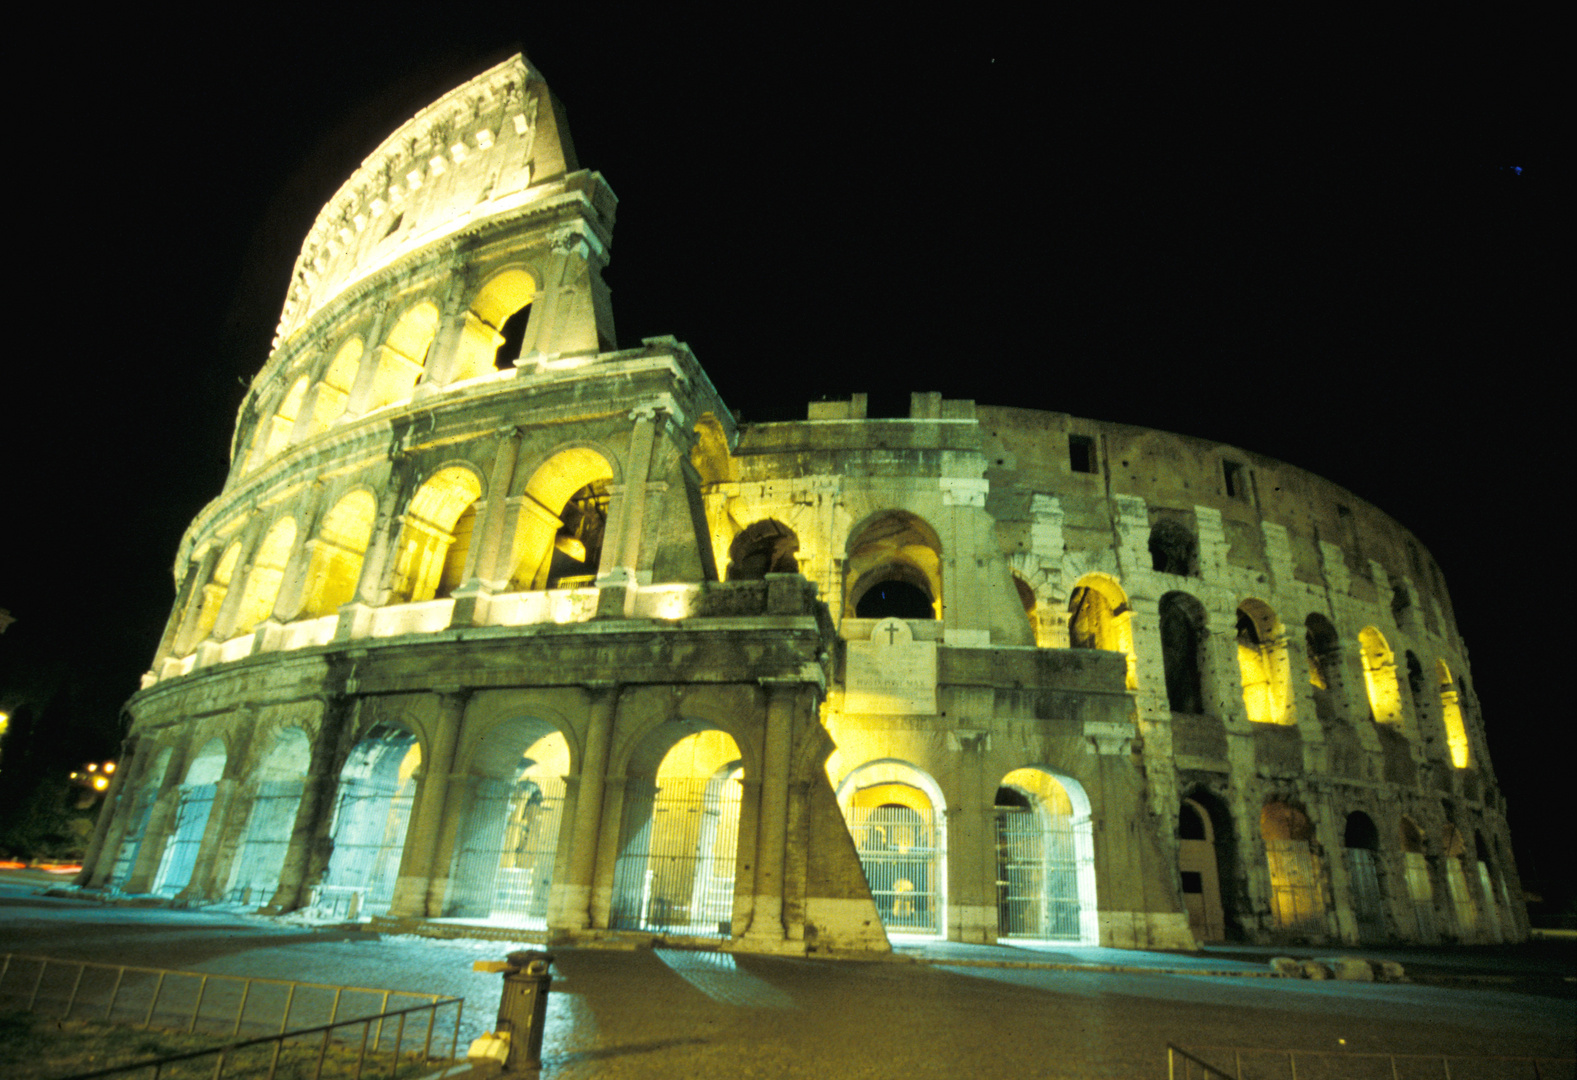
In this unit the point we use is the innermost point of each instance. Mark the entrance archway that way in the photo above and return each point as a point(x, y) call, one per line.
point(191, 819)
point(1196, 864)
point(895, 813)
point(376, 788)
point(679, 836)
point(272, 818)
point(1361, 849)
point(1045, 859)
point(508, 842)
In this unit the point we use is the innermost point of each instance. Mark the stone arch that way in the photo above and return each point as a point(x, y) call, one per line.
point(1296, 893)
point(496, 323)
point(1420, 890)
point(435, 537)
point(1361, 853)
point(1488, 878)
point(894, 568)
point(402, 358)
point(149, 782)
point(377, 786)
point(276, 435)
point(563, 520)
point(1045, 858)
point(897, 816)
point(1451, 717)
point(508, 837)
point(1379, 676)
point(194, 804)
point(267, 573)
point(766, 547)
point(337, 552)
point(1204, 863)
point(1323, 648)
point(679, 832)
point(275, 790)
point(1183, 629)
point(1100, 617)
point(333, 389)
point(1262, 664)
point(1455, 852)
point(217, 588)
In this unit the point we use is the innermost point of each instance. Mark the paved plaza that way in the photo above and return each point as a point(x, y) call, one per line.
point(938, 1009)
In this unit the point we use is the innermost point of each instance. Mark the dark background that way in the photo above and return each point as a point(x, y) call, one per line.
point(1308, 240)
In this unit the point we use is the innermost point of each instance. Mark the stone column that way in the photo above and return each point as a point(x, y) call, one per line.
point(160, 817)
point(569, 904)
point(493, 567)
point(183, 614)
point(307, 855)
point(422, 836)
point(766, 925)
point(292, 584)
point(92, 875)
point(622, 566)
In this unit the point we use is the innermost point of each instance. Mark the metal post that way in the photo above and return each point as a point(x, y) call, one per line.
point(382, 1008)
point(43, 965)
point(399, 1040)
point(317, 1073)
point(115, 992)
point(72, 1000)
point(290, 999)
point(273, 1065)
point(219, 1064)
point(366, 1029)
point(246, 991)
point(158, 988)
point(202, 989)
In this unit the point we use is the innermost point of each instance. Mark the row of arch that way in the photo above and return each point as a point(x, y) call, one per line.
point(491, 332)
point(1300, 889)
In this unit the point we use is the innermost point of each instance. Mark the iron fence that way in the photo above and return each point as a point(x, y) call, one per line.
point(224, 1005)
point(1266, 1063)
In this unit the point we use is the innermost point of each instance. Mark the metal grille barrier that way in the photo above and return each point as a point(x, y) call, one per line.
point(1037, 876)
point(902, 863)
point(1368, 906)
point(231, 1006)
point(268, 826)
point(180, 850)
point(1294, 884)
point(504, 867)
point(1264, 1063)
point(369, 837)
point(676, 872)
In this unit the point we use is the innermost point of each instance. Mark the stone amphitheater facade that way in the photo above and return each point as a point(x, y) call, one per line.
point(499, 628)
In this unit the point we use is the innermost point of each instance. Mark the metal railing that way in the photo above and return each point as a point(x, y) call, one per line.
point(1267, 1063)
point(192, 1002)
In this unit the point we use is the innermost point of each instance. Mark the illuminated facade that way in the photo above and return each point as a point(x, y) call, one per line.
point(498, 625)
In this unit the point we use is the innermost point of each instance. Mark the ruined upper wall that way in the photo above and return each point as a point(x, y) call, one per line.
point(482, 150)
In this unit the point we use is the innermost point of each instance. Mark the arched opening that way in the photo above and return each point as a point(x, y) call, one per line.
point(1486, 882)
point(1451, 717)
point(338, 552)
point(679, 837)
point(894, 569)
point(765, 547)
point(435, 539)
point(1295, 890)
point(563, 519)
point(268, 571)
point(403, 356)
point(896, 815)
point(376, 789)
point(1182, 652)
point(1031, 605)
point(1324, 649)
point(283, 422)
point(1262, 662)
point(276, 795)
point(195, 801)
point(508, 839)
point(1420, 891)
point(1360, 850)
point(1173, 549)
point(216, 590)
point(1100, 617)
point(1045, 859)
point(335, 386)
point(1456, 884)
point(147, 793)
point(1199, 870)
point(495, 325)
point(1379, 676)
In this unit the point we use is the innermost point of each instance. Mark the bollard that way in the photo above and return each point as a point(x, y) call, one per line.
point(523, 1005)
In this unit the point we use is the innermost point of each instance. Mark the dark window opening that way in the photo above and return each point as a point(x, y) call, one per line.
point(1400, 600)
point(766, 547)
point(1081, 453)
point(1190, 826)
point(1193, 881)
point(514, 334)
point(1172, 549)
point(894, 600)
point(1181, 638)
point(1236, 478)
point(1007, 796)
point(577, 549)
point(1361, 832)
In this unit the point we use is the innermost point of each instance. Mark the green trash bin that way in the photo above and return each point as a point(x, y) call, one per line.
point(523, 1007)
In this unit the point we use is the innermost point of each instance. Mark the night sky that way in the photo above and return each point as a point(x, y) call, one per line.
point(1333, 246)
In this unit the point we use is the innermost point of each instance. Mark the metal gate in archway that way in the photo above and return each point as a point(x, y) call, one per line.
point(1037, 876)
point(676, 870)
point(180, 852)
point(902, 861)
point(504, 869)
point(268, 828)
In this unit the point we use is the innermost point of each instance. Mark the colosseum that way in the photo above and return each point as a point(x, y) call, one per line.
point(498, 628)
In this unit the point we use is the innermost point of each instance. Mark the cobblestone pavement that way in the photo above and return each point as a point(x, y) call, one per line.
point(942, 1012)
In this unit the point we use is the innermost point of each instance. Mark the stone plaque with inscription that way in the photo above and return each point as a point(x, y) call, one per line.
point(891, 673)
